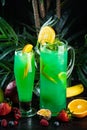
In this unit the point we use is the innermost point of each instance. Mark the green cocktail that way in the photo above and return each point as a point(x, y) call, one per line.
point(53, 78)
point(24, 70)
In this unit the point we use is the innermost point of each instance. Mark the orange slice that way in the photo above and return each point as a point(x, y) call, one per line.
point(46, 113)
point(78, 107)
point(26, 69)
point(46, 34)
point(27, 48)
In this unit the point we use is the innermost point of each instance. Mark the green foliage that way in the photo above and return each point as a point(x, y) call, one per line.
point(7, 33)
point(81, 62)
point(9, 41)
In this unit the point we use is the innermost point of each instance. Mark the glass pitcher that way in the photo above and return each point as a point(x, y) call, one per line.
point(55, 68)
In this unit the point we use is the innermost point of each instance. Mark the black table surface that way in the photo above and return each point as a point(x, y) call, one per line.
point(33, 123)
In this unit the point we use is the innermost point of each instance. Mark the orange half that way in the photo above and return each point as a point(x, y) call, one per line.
point(46, 34)
point(78, 107)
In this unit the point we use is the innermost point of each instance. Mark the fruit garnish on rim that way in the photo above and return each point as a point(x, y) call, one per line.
point(78, 107)
point(46, 35)
point(27, 48)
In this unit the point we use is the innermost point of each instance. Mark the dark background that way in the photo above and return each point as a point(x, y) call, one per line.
point(19, 12)
point(16, 11)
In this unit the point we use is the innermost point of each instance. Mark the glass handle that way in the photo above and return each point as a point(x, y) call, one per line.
point(72, 60)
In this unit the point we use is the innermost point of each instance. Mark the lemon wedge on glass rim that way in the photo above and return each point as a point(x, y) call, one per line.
point(27, 48)
point(46, 35)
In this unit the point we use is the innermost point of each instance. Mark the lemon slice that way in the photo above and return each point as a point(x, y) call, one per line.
point(78, 107)
point(43, 71)
point(74, 90)
point(46, 34)
point(27, 48)
point(62, 75)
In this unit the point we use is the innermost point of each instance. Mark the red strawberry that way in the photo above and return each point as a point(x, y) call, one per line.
point(44, 122)
point(64, 116)
point(5, 108)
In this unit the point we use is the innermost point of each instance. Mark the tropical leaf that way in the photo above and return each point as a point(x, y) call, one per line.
point(62, 22)
point(7, 32)
point(4, 78)
point(6, 72)
point(6, 52)
point(4, 66)
point(51, 21)
point(82, 76)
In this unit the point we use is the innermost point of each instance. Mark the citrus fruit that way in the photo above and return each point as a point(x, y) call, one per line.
point(1, 95)
point(26, 69)
point(62, 75)
point(27, 48)
point(78, 107)
point(45, 71)
point(46, 34)
point(74, 90)
point(45, 113)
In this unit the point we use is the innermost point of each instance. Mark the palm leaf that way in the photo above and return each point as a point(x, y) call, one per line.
point(84, 69)
point(6, 52)
point(76, 35)
point(2, 34)
point(7, 32)
point(4, 66)
point(62, 22)
point(82, 76)
point(4, 78)
point(51, 21)
point(6, 72)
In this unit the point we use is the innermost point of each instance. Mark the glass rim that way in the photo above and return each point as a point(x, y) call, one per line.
point(20, 50)
point(64, 44)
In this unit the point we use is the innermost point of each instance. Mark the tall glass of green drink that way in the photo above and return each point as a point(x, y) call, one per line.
point(54, 70)
point(24, 70)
